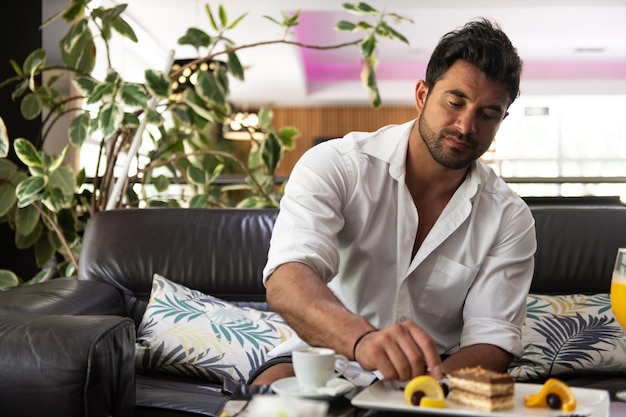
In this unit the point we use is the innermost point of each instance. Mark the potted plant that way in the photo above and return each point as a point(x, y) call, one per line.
point(47, 203)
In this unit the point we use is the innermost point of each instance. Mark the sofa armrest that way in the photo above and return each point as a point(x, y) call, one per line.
point(67, 366)
point(62, 296)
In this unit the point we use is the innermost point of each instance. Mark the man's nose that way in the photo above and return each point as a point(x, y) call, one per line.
point(466, 123)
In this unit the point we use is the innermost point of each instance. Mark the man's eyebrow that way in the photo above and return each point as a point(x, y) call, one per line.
point(461, 94)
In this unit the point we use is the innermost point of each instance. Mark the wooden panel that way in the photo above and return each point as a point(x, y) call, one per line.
point(332, 122)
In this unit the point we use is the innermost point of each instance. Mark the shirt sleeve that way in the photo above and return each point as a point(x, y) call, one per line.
point(311, 212)
point(495, 306)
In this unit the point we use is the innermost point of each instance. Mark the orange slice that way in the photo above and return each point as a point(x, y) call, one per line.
point(552, 386)
point(433, 393)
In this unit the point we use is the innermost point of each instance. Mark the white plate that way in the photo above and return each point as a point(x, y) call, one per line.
point(380, 396)
point(289, 386)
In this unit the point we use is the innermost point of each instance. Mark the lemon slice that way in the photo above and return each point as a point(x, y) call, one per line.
point(552, 386)
point(433, 393)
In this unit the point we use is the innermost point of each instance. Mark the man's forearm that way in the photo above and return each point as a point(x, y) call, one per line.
point(488, 356)
point(302, 298)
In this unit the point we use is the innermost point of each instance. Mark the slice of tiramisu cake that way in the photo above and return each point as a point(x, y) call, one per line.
point(482, 389)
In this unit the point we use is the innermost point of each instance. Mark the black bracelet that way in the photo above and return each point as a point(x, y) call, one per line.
point(358, 340)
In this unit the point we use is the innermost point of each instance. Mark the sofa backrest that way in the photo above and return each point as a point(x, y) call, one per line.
point(220, 252)
point(576, 247)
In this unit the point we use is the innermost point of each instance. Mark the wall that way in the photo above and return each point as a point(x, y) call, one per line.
point(332, 122)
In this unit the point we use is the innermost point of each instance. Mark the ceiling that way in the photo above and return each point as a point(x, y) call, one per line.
point(568, 46)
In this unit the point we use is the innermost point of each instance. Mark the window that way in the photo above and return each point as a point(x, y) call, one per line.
point(563, 146)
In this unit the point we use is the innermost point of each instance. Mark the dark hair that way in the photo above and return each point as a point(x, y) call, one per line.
point(482, 44)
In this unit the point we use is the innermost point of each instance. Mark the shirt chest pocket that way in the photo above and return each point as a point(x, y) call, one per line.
point(444, 291)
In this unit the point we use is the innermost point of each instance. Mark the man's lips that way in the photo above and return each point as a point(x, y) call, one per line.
point(459, 143)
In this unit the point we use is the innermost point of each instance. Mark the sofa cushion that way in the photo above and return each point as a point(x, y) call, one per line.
point(186, 332)
point(563, 334)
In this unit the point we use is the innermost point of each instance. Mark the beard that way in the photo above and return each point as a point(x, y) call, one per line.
point(450, 156)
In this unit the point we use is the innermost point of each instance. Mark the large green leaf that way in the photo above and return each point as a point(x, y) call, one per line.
point(63, 179)
point(43, 250)
point(287, 136)
point(7, 198)
point(196, 38)
point(236, 69)
point(30, 106)
point(26, 241)
point(124, 29)
point(7, 168)
point(27, 152)
point(26, 219)
point(272, 153)
point(8, 279)
point(161, 183)
point(4, 139)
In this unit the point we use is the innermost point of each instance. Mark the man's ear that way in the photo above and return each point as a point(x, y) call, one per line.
point(421, 92)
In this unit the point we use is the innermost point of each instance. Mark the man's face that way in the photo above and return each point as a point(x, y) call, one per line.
point(460, 114)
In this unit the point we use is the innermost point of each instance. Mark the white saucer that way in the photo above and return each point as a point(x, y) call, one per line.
point(289, 386)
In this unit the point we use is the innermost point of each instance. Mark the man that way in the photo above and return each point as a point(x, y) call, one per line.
point(398, 248)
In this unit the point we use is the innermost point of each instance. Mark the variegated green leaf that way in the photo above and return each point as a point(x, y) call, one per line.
point(272, 153)
point(130, 121)
point(4, 139)
point(157, 83)
point(101, 91)
point(59, 159)
point(79, 129)
point(35, 61)
point(287, 136)
point(208, 88)
point(29, 187)
point(196, 175)
point(199, 106)
point(27, 152)
point(85, 84)
point(78, 49)
point(154, 117)
point(134, 95)
point(109, 118)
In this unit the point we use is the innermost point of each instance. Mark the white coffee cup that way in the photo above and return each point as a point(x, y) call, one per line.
point(315, 366)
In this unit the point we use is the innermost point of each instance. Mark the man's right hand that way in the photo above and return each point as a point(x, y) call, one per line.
point(399, 352)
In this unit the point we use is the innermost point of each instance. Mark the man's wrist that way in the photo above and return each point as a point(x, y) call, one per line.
point(358, 340)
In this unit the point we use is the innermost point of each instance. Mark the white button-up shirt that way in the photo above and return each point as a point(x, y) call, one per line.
point(348, 214)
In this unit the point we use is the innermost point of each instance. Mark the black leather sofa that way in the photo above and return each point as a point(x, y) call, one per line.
point(68, 344)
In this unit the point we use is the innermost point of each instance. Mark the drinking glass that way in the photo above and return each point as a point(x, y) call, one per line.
point(618, 296)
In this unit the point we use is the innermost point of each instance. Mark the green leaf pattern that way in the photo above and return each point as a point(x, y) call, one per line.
point(186, 332)
point(569, 333)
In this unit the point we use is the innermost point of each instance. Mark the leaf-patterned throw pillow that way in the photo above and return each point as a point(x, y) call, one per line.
point(188, 333)
point(569, 333)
